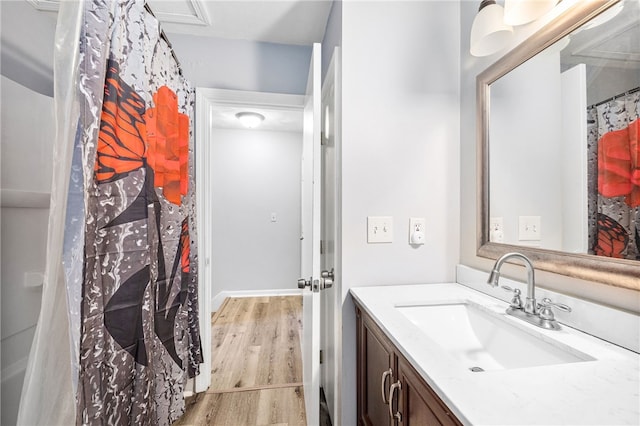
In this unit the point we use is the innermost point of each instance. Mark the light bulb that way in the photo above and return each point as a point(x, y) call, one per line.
point(489, 33)
point(520, 12)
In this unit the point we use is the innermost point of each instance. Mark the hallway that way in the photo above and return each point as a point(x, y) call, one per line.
point(256, 365)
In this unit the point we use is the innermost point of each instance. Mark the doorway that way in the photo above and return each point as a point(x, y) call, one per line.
point(248, 198)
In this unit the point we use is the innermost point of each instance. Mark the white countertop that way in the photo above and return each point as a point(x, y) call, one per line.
point(601, 392)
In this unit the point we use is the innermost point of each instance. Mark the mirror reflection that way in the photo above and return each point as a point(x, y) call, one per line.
point(564, 158)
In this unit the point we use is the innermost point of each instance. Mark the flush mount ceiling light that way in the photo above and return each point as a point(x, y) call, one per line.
point(520, 12)
point(250, 120)
point(489, 33)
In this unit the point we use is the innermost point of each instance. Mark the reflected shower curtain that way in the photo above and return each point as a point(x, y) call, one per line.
point(614, 177)
point(128, 251)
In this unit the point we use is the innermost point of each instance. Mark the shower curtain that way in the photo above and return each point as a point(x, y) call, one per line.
point(614, 177)
point(124, 189)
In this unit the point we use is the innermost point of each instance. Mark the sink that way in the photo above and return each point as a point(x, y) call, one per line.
point(483, 340)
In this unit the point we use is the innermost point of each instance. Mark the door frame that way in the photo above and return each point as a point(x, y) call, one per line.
point(207, 100)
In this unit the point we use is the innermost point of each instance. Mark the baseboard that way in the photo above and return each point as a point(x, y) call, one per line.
point(217, 300)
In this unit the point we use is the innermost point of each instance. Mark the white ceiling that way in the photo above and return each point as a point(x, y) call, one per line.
point(298, 22)
point(614, 43)
point(280, 119)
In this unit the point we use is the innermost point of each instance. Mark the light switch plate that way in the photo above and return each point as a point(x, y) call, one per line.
point(529, 228)
point(379, 229)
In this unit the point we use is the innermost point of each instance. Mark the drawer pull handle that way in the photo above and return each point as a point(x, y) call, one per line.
point(386, 374)
point(392, 391)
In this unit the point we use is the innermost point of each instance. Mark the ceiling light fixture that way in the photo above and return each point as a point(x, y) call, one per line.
point(489, 33)
point(250, 120)
point(520, 12)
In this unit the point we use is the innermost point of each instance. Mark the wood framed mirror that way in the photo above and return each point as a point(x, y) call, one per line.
point(577, 259)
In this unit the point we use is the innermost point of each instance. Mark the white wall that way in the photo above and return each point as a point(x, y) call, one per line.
point(243, 65)
point(400, 150)
point(254, 174)
point(26, 132)
point(332, 35)
point(606, 82)
point(27, 37)
point(526, 142)
point(575, 211)
point(470, 68)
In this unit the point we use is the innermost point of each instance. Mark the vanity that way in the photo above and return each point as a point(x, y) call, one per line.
point(448, 354)
point(455, 353)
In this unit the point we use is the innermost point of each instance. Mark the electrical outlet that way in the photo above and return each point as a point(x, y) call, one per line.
point(417, 227)
point(496, 229)
point(379, 229)
point(529, 228)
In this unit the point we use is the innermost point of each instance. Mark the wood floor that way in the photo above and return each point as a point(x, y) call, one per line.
point(256, 376)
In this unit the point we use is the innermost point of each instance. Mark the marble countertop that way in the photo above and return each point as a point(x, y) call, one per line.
point(605, 391)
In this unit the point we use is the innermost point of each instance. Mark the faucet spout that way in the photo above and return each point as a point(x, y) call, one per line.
point(530, 305)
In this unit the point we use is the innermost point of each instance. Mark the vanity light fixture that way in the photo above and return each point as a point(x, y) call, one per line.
point(250, 120)
point(520, 12)
point(489, 33)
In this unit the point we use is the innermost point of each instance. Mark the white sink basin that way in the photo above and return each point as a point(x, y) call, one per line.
point(483, 340)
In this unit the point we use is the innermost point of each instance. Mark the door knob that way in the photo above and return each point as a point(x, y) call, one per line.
point(327, 274)
point(327, 279)
point(302, 283)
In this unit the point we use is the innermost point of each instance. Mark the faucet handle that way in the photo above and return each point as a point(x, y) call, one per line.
point(516, 302)
point(546, 304)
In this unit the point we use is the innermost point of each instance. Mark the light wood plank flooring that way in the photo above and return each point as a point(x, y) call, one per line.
point(256, 376)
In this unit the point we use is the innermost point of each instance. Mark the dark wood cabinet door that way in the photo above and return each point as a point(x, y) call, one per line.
point(375, 356)
point(415, 401)
point(419, 405)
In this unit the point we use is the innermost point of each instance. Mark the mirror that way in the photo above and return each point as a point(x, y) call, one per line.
point(559, 160)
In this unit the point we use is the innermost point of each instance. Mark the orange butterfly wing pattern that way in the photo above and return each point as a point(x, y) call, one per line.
point(619, 164)
point(130, 135)
point(612, 238)
point(121, 141)
point(168, 142)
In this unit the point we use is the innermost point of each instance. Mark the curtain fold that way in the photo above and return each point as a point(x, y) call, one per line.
point(48, 391)
point(122, 228)
point(614, 177)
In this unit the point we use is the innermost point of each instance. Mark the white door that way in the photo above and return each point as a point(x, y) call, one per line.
point(331, 298)
point(310, 241)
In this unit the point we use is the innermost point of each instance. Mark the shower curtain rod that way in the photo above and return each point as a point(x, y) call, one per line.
point(628, 92)
point(164, 37)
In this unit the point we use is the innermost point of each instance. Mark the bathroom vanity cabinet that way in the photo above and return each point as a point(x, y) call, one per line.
point(386, 377)
point(409, 352)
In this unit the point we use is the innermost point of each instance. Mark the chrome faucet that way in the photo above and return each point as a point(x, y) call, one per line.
point(530, 306)
point(530, 312)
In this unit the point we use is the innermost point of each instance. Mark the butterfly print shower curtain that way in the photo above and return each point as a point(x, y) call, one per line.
point(614, 177)
point(133, 293)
